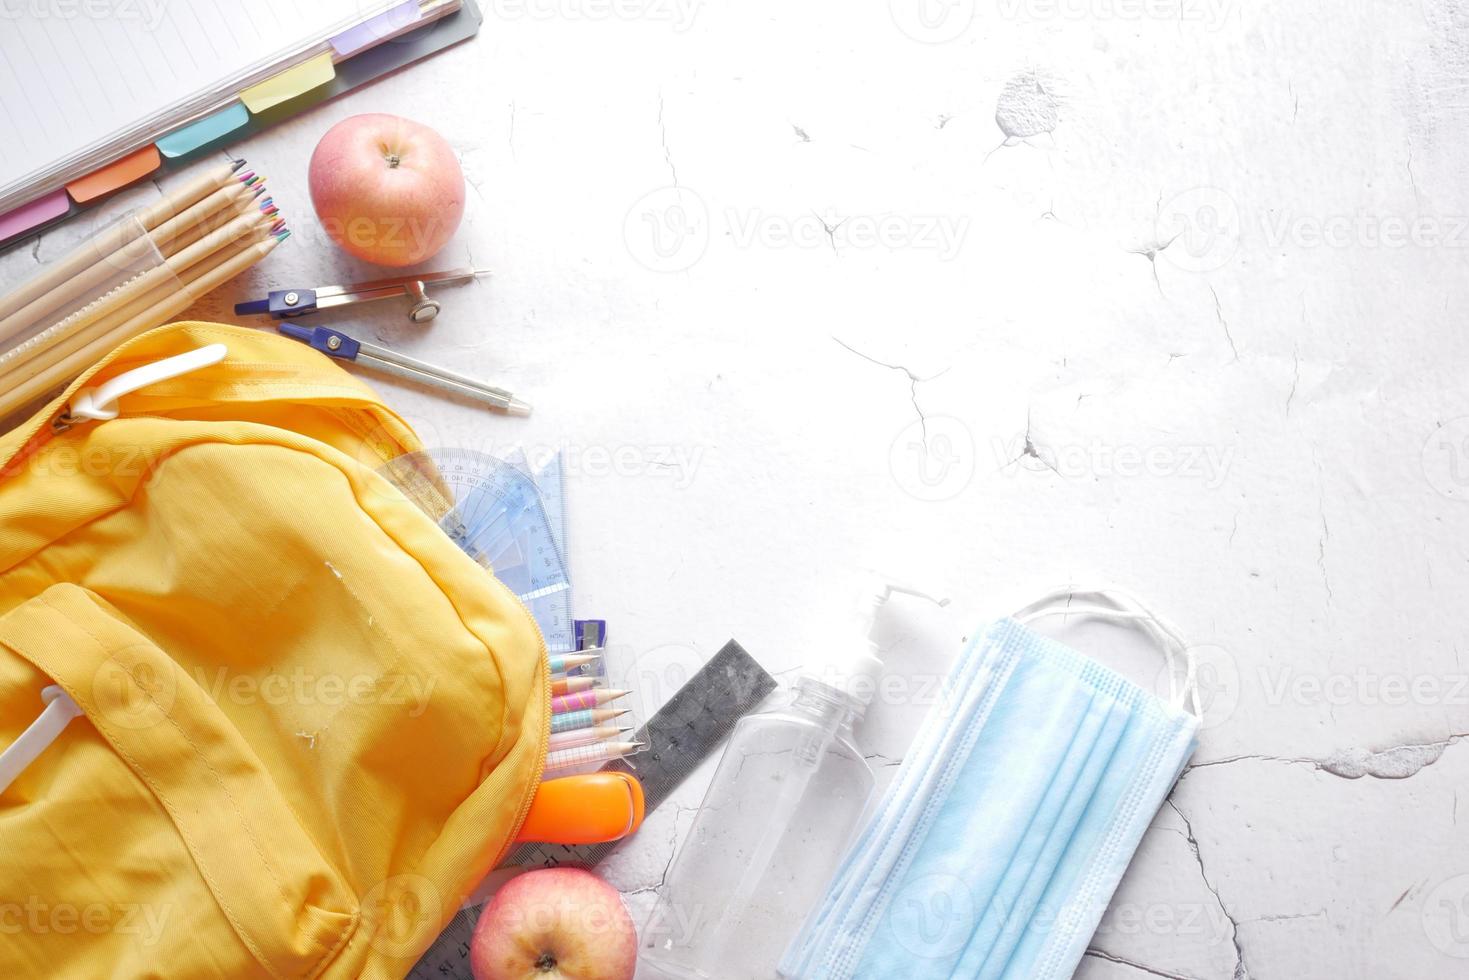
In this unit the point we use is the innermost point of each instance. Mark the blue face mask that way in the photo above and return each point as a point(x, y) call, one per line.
point(997, 848)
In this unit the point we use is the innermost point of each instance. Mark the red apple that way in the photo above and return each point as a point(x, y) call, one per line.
point(555, 924)
point(387, 189)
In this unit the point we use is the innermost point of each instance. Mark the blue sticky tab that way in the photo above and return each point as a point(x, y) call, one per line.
point(202, 132)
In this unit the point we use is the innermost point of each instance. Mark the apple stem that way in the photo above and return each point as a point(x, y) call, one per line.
point(393, 161)
point(546, 963)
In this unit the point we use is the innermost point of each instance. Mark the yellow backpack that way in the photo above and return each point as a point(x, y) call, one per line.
point(308, 724)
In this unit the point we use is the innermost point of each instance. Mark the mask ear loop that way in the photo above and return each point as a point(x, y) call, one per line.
point(1125, 608)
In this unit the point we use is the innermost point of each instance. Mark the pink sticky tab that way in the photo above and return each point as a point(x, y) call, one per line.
point(34, 214)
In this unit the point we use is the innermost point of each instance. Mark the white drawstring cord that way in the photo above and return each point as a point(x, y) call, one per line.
point(1124, 607)
point(100, 404)
point(60, 710)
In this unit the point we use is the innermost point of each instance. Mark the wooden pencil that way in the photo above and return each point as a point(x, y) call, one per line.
point(210, 223)
point(99, 247)
point(234, 194)
point(132, 254)
point(192, 192)
point(205, 277)
point(133, 296)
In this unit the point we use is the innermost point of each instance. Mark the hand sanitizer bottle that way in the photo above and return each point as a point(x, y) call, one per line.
point(788, 797)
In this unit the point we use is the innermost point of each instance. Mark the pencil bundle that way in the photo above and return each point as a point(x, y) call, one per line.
point(132, 276)
point(580, 735)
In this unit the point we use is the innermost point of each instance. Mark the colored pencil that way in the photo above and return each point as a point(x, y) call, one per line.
point(586, 736)
point(575, 720)
point(570, 661)
point(590, 754)
point(571, 685)
point(192, 192)
point(134, 296)
point(53, 287)
point(207, 275)
point(586, 699)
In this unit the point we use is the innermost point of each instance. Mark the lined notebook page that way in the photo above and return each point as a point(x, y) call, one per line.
point(76, 77)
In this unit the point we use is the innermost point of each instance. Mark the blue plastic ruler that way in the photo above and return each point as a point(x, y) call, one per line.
point(553, 611)
point(498, 518)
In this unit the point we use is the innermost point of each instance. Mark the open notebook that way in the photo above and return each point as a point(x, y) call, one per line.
point(78, 90)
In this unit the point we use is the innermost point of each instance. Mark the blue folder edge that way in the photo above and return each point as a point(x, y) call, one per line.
point(209, 134)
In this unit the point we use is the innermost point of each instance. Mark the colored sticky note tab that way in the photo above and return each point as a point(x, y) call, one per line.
point(202, 132)
point(375, 29)
point(34, 214)
point(290, 83)
point(120, 173)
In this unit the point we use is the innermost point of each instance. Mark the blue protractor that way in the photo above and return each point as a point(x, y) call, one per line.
point(498, 518)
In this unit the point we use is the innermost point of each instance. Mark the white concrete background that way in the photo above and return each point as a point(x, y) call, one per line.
point(986, 298)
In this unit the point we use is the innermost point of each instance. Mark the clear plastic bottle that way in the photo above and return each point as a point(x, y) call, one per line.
point(789, 795)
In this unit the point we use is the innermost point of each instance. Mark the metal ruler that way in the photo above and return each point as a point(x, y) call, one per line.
point(683, 733)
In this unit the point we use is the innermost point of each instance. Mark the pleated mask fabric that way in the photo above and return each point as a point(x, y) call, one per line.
point(1000, 843)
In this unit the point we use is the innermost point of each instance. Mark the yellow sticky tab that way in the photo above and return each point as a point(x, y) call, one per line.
point(290, 83)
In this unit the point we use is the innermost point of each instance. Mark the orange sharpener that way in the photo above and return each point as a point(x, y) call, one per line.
point(589, 809)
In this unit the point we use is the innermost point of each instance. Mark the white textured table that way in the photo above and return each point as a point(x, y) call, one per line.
point(985, 298)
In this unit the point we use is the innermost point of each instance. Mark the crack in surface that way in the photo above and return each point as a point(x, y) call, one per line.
point(1394, 762)
point(831, 236)
point(1029, 449)
point(1241, 972)
point(1102, 954)
point(1219, 314)
point(1295, 379)
point(1321, 552)
point(663, 137)
point(913, 381)
point(672, 853)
